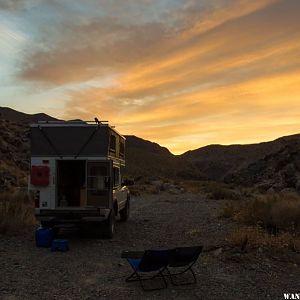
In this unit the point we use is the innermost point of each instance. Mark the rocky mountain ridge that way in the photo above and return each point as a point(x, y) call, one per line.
point(269, 165)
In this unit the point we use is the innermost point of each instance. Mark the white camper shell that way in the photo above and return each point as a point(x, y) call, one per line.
point(76, 174)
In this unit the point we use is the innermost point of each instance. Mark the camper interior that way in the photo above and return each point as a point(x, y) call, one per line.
point(81, 183)
point(71, 182)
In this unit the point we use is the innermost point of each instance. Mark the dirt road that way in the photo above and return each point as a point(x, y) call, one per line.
point(93, 269)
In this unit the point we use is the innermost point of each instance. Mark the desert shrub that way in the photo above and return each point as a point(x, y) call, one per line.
point(214, 190)
point(219, 191)
point(285, 213)
point(256, 237)
point(194, 232)
point(191, 186)
point(16, 212)
point(152, 189)
point(275, 211)
point(230, 209)
point(135, 190)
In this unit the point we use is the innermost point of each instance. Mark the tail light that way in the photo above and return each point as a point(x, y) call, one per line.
point(37, 199)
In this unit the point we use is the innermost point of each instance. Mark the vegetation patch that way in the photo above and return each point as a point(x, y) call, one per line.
point(16, 213)
point(256, 237)
point(279, 212)
point(272, 220)
point(213, 190)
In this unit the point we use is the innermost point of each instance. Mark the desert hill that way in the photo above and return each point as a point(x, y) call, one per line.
point(278, 170)
point(271, 165)
point(218, 161)
point(150, 160)
point(10, 114)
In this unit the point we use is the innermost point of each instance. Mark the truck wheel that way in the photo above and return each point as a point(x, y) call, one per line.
point(125, 212)
point(109, 226)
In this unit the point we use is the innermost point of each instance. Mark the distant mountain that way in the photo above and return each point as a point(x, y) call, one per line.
point(278, 170)
point(7, 113)
point(274, 165)
point(217, 161)
point(144, 158)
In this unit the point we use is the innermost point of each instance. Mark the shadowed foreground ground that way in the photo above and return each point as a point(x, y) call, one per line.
point(93, 269)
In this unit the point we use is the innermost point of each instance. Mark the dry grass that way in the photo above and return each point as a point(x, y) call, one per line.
point(280, 211)
point(214, 190)
point(273, 220)
point(194, 233)
point(16, 212)
point(17, 177)
point(256, 237)
point(230, 210)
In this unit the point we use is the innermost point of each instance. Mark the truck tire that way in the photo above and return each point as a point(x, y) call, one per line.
point(125, 212)
point(109, 226)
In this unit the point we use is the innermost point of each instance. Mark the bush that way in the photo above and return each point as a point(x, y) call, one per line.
point(256, 237)
point(16, 212)
point(273, 212)
point(214, 190)
point(277, 210)
point(219, 191)
point(229, 210)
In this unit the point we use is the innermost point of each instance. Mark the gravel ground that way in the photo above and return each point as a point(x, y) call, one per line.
point(93, 269)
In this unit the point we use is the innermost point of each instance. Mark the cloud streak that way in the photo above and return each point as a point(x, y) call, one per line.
point(186, 75)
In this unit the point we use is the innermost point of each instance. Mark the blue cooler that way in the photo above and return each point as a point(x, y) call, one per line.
point(44, 237)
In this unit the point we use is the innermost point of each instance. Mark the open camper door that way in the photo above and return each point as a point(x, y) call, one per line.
point(99, 191)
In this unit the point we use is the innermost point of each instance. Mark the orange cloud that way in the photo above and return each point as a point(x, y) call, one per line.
point(227, 74)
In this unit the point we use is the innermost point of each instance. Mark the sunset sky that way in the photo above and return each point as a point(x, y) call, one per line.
point(182, 73)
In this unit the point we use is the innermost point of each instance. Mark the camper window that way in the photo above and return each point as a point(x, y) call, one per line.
point(116, 177)
point(97, 179)
point(112, 145)
point(122, 149)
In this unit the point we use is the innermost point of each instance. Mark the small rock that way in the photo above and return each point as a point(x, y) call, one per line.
point(218, 252)
point(174, 191)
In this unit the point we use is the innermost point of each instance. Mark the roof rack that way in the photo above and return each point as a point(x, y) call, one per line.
point(73, 122)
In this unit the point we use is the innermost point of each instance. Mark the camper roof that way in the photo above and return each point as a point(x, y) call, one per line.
point(76, 123)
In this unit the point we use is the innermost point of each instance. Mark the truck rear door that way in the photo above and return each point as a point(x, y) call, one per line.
point(99, 191)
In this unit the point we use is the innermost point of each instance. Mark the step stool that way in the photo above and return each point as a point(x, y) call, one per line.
point(60, 245)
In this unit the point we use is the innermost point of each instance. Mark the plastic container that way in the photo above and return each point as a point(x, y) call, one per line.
point(44, 237)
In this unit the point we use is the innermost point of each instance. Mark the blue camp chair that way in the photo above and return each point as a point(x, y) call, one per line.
point(148, 265)
point(182, 261)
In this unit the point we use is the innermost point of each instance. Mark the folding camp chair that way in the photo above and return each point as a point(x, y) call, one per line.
point(183, 259)
point(148, 265)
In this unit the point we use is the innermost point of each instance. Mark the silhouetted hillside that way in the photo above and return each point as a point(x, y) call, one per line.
point(10, 114)
point(144, 158)
point(217, 161)
point(14, 154)
point(277, 170)
point(273, 164)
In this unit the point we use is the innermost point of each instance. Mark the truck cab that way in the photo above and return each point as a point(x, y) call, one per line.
point(76, 175)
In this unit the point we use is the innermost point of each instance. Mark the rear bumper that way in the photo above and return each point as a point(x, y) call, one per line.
point(72, 216)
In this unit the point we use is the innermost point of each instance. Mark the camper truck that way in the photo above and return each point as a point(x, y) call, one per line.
point(76, 176)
